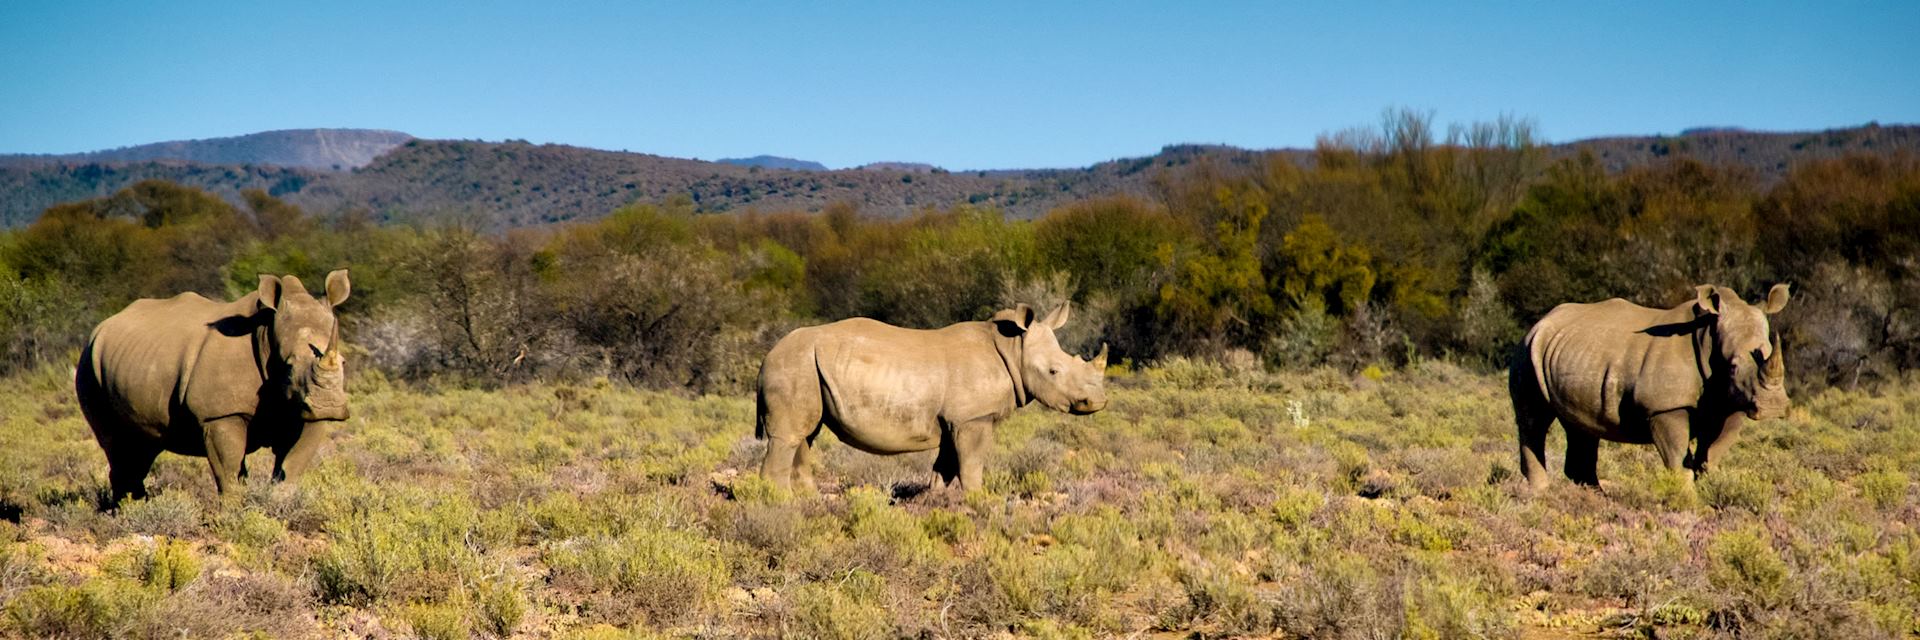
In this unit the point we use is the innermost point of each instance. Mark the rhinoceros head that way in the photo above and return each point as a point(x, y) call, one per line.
point(1747, 349)
point(306, 364)
point(1059, 380)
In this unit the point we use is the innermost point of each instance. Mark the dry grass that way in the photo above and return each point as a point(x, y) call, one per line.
point(1203, 501)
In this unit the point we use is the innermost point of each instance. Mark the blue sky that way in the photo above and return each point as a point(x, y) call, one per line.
point(961, 85)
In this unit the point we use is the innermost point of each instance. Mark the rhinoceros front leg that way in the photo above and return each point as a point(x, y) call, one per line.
point(1717, 440)
point(226, 440)
point(289, 463)
point(972, 443)
point(1672, 432)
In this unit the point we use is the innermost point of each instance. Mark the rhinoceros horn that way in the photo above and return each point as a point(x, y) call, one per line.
point(331, 359)
point(1774, 372)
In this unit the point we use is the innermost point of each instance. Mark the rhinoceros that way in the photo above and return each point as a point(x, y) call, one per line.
point(216, 379)
point(1618, 371)
point(887, 390)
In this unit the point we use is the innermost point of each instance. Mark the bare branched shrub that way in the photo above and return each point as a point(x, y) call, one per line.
point(1846, 324)
point(1486, 325)
point(1091, 320)
point(1305, 338)
point(488, 317)
point(673, 317)
point(395, 339)
point(1372, 337)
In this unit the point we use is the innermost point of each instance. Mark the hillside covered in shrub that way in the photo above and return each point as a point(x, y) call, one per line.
point(499, 185)
point(1386, 247)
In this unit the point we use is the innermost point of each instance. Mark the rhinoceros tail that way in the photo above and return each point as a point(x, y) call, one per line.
point(760, 417)
point(760, 405)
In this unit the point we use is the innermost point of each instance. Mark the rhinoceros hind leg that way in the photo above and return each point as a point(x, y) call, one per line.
point(1532, 418)
point(1583, 455)
point(790, 433)
point(803, 463)
point(127, 467)
point(790, 413)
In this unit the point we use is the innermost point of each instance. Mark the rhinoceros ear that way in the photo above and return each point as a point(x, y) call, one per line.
point(269, 291)
point(1707, 298)
point(1059, 316)
point(1013, 322)
point(1777, 298)
point(338, 287)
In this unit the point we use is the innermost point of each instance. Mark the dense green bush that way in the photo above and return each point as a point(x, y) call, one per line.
point(1387, 246)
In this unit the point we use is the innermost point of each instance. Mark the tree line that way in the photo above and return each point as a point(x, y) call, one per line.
point(1389, 244)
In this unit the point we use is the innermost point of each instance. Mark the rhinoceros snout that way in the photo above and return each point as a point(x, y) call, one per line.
point(326, 398)
point(1089, 405)
point(1770, 406)
point(325, 410)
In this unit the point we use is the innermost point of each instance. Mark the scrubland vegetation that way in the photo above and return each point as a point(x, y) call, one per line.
point(1215, 499)
point(1308, 434)
point(1395, 244)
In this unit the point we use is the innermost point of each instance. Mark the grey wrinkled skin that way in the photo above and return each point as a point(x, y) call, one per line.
point(217, 380)
point(1618, 371)
point(888, 390)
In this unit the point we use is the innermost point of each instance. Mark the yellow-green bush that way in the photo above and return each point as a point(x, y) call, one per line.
point(610, 632)
point(665, 575)
point(947, 526)
point(1886, 489)
point(1218, 597)
point(1736, 487)
point(894, 533)
point(1744, 563)
point(1448, 605)
point(852, 607)
point(499, 606)
point(436, 621)
point(173, 513)
point(97, 609)
point(402, 545)
point(164, 564)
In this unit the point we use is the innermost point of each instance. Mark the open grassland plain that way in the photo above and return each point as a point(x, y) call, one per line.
point(1207, 500)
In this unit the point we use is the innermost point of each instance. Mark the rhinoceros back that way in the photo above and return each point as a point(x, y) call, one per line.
point(159, 362)
point(1605, 366)
point(882, 388)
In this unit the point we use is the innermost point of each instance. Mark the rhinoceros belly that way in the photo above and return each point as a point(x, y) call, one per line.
point(1589, 380)
point(882, 402)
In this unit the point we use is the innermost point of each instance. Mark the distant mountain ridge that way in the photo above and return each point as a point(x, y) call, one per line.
point(904, 167)
point(774, 162)
point(1768, 154)
point(516, 183)
point(323, 149)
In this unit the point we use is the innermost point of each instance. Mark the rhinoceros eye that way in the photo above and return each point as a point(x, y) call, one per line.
point(316, 350)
